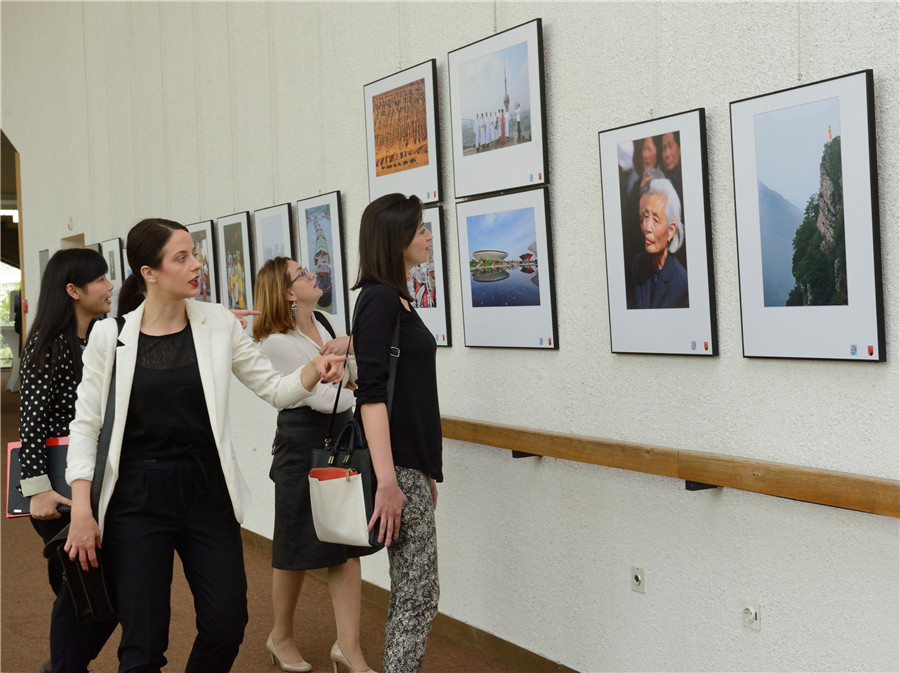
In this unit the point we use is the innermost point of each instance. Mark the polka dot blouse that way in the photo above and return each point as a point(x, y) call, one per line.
point(47, 404)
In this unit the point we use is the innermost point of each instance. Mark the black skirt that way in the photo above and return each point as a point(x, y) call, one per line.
point(294, 542)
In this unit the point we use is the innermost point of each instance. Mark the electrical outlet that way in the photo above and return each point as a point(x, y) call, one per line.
point(751, 616)
point(638, 579)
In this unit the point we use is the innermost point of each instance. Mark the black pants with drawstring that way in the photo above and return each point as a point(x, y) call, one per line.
point(160, 507)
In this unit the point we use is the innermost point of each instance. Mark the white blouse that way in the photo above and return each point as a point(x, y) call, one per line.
point(294, 349)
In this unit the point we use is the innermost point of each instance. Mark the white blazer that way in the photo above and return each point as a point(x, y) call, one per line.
point(222, 348)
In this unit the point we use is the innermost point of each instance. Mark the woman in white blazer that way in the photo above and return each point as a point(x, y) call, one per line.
point(171, 482)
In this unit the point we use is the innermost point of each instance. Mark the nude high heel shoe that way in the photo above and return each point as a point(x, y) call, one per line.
point(337, 657)
point(301, 667)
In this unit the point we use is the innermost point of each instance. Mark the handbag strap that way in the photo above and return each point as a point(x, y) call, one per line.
point(392, 373)
point(105, 431)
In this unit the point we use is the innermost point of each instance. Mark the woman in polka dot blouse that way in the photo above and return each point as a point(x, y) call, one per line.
point(74, 291)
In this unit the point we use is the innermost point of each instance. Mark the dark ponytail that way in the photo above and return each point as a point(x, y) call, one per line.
point(145, 244)
point(131, 294)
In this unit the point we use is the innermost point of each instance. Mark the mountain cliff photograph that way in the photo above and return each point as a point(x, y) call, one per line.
point(801, 208)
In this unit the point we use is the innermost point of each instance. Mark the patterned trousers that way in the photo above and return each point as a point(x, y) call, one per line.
point(414, 577)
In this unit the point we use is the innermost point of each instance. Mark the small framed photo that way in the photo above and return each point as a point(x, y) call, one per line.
point(234, 258)
point(656, 224)
point(497, 112)
point(805, 196)
point(402, 141)
point(43, 260)
point(320, 232)
point(272, 233)
point(506, 271)
point(204, 250)
point(112, 252)
point(427, 282)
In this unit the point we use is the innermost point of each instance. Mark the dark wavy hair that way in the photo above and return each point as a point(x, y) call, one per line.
point(145, 245)
point(55, 313)
point(388, 226)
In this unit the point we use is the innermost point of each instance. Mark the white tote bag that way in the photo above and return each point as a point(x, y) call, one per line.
point(338, 507)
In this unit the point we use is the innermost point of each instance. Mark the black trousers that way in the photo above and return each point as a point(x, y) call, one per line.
point(73, 645)
point(160, 507)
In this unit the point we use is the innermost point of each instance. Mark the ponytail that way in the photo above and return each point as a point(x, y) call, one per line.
point(131, 295)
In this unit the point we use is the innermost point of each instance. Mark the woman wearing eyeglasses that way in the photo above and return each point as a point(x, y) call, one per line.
point(291, 333)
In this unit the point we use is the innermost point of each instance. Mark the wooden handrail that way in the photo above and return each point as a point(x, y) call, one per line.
point(875, 495)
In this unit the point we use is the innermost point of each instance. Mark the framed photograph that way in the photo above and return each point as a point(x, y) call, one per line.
point(497, 112)
point(233, 254)
point(805, 197)
point(272, 233)
point(506, 271)
point(402, 142)
point(112, 253)
point(427, 282)
point(43, 259)
point(656, 224)
point(320, 232)
point(205, 250)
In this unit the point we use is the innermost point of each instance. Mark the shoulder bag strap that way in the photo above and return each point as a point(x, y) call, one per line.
point(392, 372)
point(325, 323)
point(105, 431)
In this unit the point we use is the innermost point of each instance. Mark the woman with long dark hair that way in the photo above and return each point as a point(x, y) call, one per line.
point(172, 482)
point(291, 332)
point(405, 445)
point(74, 292)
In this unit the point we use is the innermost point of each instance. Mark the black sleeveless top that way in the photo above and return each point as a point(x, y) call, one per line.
point(167, 413)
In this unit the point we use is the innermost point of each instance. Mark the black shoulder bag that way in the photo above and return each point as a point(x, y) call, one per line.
point(88, 587)
point(349, 450)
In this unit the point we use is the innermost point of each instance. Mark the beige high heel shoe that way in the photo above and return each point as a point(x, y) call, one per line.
point(301, 667)
point(337, 657)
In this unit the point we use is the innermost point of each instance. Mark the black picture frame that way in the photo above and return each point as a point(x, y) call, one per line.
point(428, 282)
point(487, 158)
point(204, 239)
point(806, 211)
point(659, 164)
point(403, 144)
point(506, 270)
point(320, 234)
point(273, 235)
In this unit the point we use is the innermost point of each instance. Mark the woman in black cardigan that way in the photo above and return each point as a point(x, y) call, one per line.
point(405, 445)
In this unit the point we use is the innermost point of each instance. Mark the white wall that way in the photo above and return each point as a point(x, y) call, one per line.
point(193, 111)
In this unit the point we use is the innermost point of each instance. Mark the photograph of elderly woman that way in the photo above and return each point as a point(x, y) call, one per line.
point(653, 230)
point(801, 205)
point(401, 128)
point(495, 100)
point(504, 261)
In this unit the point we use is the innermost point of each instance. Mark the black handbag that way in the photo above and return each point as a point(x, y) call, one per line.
point(88, 587)
point(349, 450)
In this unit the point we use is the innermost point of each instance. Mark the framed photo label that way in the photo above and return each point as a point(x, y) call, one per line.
point(807, 221)
point(658, 236)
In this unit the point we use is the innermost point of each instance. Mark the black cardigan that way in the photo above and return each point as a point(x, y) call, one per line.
point(415, 417)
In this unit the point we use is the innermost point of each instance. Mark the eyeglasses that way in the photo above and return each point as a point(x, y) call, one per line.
point(303, 272)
